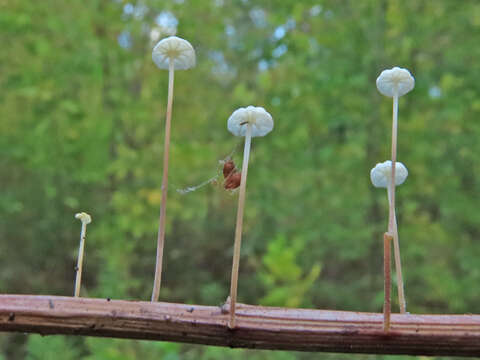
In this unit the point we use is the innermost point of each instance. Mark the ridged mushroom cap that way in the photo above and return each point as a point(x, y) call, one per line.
point(382, 172)
point(83, 217)
point(259, 119)
point(396, 81)
point(174, 49)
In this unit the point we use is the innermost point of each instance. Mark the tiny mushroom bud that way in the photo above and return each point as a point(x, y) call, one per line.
point(395, 82)
point(249, 122)
point(85, 219)
point(172, 53)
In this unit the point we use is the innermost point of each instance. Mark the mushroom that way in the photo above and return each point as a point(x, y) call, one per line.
point(171, 53)
point(394, 83)
point(380, 176)
point(249, 122)
point(382, 172)
point(85, 219)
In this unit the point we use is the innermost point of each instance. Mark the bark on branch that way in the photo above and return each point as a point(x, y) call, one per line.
point(257, 327)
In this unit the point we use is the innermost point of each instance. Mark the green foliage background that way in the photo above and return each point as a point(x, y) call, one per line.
point(82, 114)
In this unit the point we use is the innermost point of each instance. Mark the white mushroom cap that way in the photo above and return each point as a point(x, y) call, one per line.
point(382, 172)
point(174, 49)
point(84, 217)
point(396, 81)
point(259, 119)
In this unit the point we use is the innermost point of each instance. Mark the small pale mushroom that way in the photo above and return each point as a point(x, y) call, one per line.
point(85, 219)
point(380, 176)
point(248, 122)
point(394, 83)
point(172, 53)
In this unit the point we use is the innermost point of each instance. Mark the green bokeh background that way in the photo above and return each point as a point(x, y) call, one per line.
point(81, 129)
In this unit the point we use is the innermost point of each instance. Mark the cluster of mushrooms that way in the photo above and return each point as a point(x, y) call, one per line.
point(393, 83)
point(174, 53)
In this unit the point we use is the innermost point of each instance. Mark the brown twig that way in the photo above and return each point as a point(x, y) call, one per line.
point(387, 238)
point(257, 327)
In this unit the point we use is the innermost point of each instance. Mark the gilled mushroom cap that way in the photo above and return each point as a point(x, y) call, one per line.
point(259, 119)
point(174, 49)
point(382, 172)
point(84, 217)
point(396, 81)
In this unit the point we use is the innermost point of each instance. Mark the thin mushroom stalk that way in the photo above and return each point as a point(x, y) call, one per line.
point(398, 265)
point(391, 209)
point(394, 83)
point(249, 122)
point(163, 204)
point(173, 54)
point(239, 226)
point(85, 219)
point(392, 222)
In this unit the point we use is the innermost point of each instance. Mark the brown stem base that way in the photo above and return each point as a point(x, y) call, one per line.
point(387, 240)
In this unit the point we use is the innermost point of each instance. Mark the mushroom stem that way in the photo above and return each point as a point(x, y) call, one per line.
point(387, 281)
point(238, 229)
point(78, 277)
point(391, 219)
point(398, 263)
point(391, 224)
point(163, 205)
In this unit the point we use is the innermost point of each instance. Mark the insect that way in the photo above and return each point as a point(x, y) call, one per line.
point(232, 175)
